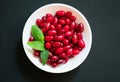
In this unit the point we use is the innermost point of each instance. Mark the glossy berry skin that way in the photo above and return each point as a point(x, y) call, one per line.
point(38, 22)
point(48, 15)
point(31, 38)
point(67, 21)
point(55, 21)
point(48, 45)
point(66, 60)
point(63, 56)
point(62, 31)
point(81, 43)
point(50, 54)
point(69, 52)
point(49, 62)
point(43, 19)
point(68, 14)
point(59, 38)
point(66, 28)
point(43, 30)
point(68, 33)
point(60, 13)
point(61, 61)
point(49, 19)
point(48, 38)
point(74, 38)
point(58, 27)
point(52, 27)
point(54, 64)
point(59, 50)
point(56, 44)
point(81, 27)
point(77, 48)
point(72, 25)
point(65, 41)
point(52, 32)
point(54, 58)
point(61, 21)
point(66, 47)
point(36, 53)
point(72, 18)
point(79, 36)
point(46, 27)
point(75, 52)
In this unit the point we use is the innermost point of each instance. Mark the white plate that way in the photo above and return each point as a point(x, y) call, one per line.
point(72, 63)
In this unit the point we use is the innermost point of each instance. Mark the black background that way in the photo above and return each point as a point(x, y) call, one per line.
point(103, 62)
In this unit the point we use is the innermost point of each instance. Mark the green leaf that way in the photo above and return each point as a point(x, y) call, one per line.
point(37, 33)
point(38, 45)
point(44, 56)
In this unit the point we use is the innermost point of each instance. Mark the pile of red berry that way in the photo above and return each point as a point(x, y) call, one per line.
point(63, 36)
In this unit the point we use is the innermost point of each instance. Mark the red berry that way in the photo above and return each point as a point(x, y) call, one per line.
point(31, 38)
point(66, 27)
point(52, 32)
point(65, 41)
point(68, 34)
point(61, 61)
point(75, 52)
point(46, 26)
point(81, 27)
point(48, 15)
point(68, 14)
point(36, 53)
point(43, 19)
point(58, 27)
point(50, 54)
point(66, 47)
point(72, 25)
point(43, 30)
point(76, 27)
point(60, 13)
point(66, 60)
point(81, 43)
point(61, 21)
point(59, 38)
point(49, 19)
point(79, 35)
point(72, 18)
point(71, 44)
point(54, 64)
point(59, 50)
point(61, 44)
point(52, 27)
point(74, 38)
point(48, 38)
point(38, 22)
point(62, 31)
point(69, 52)
point(67, 21)
point(62, 55)
point(55, 21)
point(48, 45)
point(49, 62)
point(54, 58)
point(56, 44)
point(53, 50)
point(77, 48)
